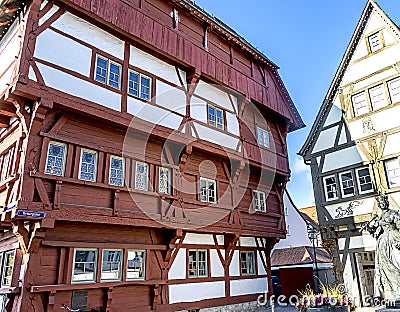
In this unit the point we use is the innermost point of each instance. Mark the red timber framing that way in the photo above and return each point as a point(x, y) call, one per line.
point(47, 219)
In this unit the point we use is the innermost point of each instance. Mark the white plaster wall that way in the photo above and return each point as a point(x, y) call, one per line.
point(196, 291)
point(217, 270)
point(363, 206)
point(45, 17)
point(232, 124)
point(153, 114)
point(216, 137)
point(249, 286)
point(261, 269)
point(201, 239)
point(365, 241)
point(349, 280)
point(80, 88)
point(91, 34)
point(213, 94)
point(326, 139)
point(335, 113)
point(151, 64)
point(220, 239)
point(170, 97)
point(178, 267)
point(247, 242)
point(198, 109)
point(343, 138)
point(392, 144)
point(62, 51)
point(31, 74)
point(234, 267)
point(341, 158)
point(365, 83)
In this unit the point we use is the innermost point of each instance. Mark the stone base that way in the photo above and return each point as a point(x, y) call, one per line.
point(239, 307)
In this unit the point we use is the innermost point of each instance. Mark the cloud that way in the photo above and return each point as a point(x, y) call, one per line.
point(299, 166)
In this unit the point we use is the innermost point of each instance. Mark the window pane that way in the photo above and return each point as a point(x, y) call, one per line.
point(84, 265)
point(114, 77)
point(56, 159)
point(394, 90)
point(164, 181)
point(111, 264)
point(133, 84)
point(330, 187)
point(393, 172)
point(116, 171)
point(8, 267)
point(141, 180)
point(378, 97)
point(220, 119)
point(375, 42)
point(260, 136)
point(203, 190)
point(144, 88)
point(88, 165)
point(360, 104)
point(347, 184)
point(250, 261)
point(211, 115)
point(136, 264)
point(364, 180)
point(101, 69)
point(211, 191)
point(192, 263)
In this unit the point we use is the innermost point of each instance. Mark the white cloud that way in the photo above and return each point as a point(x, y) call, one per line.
point(299, 166)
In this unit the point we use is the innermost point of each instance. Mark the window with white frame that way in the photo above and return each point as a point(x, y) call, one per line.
point(247, 262)
point(330, 188)
point(108, 72)
point(135, 267)
point(259, 201)
point(8, 267)
point(215, 117)
point(111, 264)
point(347, 184)
point(56, 155)
point(208, 190)
point(197, 263)
point(6, 163)
point(139, 85)
point(375, 42)
point(142, 176)
point(164, 180)
point(116, 175)
point(85, 263)
point(360, 104)
point(394, 90)
point(262, 137)
point(364, 181)
point(392, 167)
point(378, 97)
point(88, 165)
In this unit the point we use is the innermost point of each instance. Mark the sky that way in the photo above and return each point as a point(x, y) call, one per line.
point(306, 39)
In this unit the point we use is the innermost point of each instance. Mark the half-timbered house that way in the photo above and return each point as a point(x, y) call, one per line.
point(143, 158)
point(353, 148)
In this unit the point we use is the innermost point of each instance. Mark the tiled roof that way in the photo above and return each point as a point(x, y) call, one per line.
point(299, 255)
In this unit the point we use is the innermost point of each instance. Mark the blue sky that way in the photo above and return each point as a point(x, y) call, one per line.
point(306, 39)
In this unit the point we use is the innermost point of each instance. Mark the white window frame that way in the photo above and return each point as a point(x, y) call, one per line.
point(214, 122)
point(355, 108)
point(95, 165)
point(120, 265)
point(394, 97)
point(397, 170)
point(359, 182)
point(264, 137)
point(143, 266)
point(122, 171)
point(3, 268)
point(342, 187)
point(109, 62)
point(64, 157)
point(5, 165)
point(259, 197)
point(325, 188)
point(73, 281)
point(247, 262)
point(207, 182)
point(197, 263)
point(160, 169)
point(382, 99)
point(139, 90)
point(375, 47)
point(147, 176)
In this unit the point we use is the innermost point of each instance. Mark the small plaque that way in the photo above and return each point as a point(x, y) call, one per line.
point(79, 299)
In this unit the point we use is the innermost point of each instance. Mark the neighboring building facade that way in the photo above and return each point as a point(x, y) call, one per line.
point(353, 148)
point(143, 158)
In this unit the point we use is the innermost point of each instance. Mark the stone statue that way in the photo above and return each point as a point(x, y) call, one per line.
point(386, 230)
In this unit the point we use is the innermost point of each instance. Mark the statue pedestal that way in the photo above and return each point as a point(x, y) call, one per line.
point(391, 306)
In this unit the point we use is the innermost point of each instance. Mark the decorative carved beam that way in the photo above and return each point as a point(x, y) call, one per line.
point(7, 109)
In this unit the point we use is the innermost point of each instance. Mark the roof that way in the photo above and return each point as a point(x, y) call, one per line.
point(327, 102)
point(299, 255)
point(310, 213)
point(9, 11)
point(313, 221)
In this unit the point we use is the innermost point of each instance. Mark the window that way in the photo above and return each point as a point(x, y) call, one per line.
point(8, 266)
point(139, 85)
point(111, 264)
point(215, 117)
point(164, 181)
point(135, 268)
point(207, 190)
point(394, 90)
point(288, 229)
point(375, 42)
point(364, 181)
point(5, 163)
point(108, 72)
point(116, 176)
point(55, 163)
point(347, 184)
point(330, 188)
point(360, 104)
point(88, 165)
point(259, 201)
point(378, 97)
point(247, 263)
point(263, 137)
point(197, 263)
point(142, 176)
point(393, 172)
point(84, 269)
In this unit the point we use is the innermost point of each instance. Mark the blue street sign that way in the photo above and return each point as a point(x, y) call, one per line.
point(30, 214)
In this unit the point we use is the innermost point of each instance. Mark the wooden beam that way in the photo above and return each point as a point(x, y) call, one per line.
point(4, 122)
point(7, 109)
